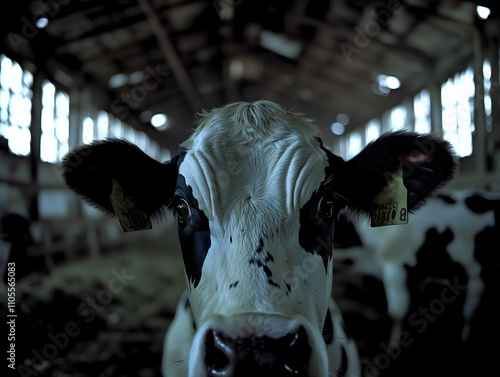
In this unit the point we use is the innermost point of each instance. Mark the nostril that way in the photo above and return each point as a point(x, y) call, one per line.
point(219, 355)
point(296, 353)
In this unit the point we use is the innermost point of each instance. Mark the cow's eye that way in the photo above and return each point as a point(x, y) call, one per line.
point(325, 206)
point(183, 211)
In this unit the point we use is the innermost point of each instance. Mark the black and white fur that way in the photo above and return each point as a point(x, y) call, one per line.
point(256, 196)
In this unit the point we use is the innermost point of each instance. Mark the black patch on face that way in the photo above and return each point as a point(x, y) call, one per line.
point(262, 261)
point(269, 275)
point(256, 261)
point(288, 287)
point(194, 235)
point(328, 328)
point(233, 285)
point(260, 247)
point(316, 222)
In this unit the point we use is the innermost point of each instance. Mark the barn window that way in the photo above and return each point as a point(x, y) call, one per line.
point(87, 130)
point(397, 118)
point(422, 106)
point(15, 106)
point(115, 128)
point(102, 125)
point(55, 123)
point(372, 130)
point(355, 144)
point(457, 97)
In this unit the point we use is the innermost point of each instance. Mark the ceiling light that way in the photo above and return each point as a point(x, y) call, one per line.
point(118, 80)
point(483, 12)
point(337, 128)
point(343, 119)
point(42, 22)
point(159, 121)
point(389, 82)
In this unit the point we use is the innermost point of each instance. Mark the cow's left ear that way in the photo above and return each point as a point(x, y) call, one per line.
point(425, 162)
point(93, 171)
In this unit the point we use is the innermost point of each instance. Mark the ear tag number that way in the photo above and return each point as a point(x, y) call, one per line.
point(390, 206)
point(130, 216)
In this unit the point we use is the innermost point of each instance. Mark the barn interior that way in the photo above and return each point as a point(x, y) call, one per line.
point(76, 71)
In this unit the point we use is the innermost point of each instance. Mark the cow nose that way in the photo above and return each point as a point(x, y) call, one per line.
point(257, 356)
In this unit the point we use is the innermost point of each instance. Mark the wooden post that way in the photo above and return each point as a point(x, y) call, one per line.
point(171, 56)
point(36, 135)
point(494, 58)
point(479, 136)
point(75, 118)
point(436, 108)
point(409, 105)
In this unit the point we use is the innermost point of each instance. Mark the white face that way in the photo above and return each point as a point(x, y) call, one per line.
point(256, 196)
point(256, 264)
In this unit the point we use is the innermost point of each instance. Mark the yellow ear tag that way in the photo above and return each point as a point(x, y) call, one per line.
point(390, 206)
point(130, 216)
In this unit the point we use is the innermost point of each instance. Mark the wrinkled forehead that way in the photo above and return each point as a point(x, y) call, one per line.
point(280, 174)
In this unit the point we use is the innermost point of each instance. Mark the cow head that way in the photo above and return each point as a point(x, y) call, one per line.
point(256, 196)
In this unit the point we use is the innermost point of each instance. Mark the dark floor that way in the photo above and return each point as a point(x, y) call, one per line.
point(104, 316)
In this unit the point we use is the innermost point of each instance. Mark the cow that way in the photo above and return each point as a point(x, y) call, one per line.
point(439, 278)
point(256, 195)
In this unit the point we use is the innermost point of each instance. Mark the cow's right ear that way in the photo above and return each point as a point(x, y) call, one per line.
point(94, 170)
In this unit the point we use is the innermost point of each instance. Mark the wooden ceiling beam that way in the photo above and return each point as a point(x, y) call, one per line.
point(135, 22)
point(406, 52)
point(335, 72)
point(171, 56)
point(322, 84)
point(325, 94)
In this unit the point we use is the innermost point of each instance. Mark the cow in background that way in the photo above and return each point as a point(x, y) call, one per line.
point(430, 287)
point(256, 196)
point(15, 229)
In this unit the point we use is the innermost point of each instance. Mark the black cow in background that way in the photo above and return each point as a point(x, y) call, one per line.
point(15, 229)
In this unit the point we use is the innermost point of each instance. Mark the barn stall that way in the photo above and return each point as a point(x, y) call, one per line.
point(92, 300)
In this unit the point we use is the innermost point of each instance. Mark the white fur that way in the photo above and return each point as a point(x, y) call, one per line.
point(251, 168)
point(181, 337)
